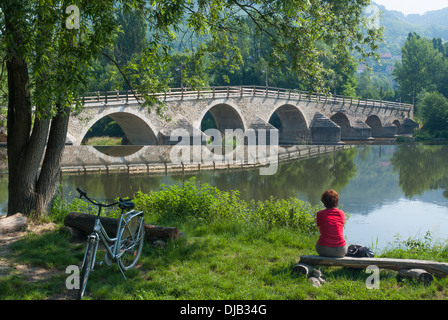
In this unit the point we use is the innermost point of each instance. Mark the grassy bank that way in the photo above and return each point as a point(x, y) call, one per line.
point(231, 250)
point(104, 141)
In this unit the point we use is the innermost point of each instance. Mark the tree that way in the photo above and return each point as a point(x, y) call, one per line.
point(374, 86)
point(421, 68)
point(49, 46)
point(433, 112)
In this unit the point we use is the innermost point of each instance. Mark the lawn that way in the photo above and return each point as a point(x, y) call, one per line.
point(229, 250)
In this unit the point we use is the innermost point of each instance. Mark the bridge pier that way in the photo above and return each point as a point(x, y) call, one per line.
point(324, 131)
point(408, 126)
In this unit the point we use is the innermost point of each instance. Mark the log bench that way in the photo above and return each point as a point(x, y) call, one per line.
point(421, 270)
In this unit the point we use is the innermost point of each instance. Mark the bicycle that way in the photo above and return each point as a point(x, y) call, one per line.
point(125, 248)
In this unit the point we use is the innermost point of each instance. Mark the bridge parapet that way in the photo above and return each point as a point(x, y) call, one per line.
point(248, 91)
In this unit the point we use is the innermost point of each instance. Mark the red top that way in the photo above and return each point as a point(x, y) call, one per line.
point(331, 227)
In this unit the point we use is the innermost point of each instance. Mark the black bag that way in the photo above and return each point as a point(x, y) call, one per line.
point(356, 250)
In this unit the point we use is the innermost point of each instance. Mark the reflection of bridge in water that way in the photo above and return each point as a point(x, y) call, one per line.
point(159, 159)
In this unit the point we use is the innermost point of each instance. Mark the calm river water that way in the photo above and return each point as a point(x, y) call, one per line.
point(388, 191)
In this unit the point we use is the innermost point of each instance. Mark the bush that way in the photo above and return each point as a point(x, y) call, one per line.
point(284, 213)
point(210, 204)
point(433, 111)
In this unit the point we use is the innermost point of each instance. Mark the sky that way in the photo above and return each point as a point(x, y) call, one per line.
point(413, 6)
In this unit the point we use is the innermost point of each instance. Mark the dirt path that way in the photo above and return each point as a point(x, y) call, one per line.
point(32, 274)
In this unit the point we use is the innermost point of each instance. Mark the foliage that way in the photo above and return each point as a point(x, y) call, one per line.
point(423, 79)
point(422, 67)
point(208, 203)
point(374, 86)
point(244, 42)
point(433, 112)
point(417, 248)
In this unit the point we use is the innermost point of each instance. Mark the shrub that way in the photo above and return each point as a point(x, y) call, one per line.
point(210, 204)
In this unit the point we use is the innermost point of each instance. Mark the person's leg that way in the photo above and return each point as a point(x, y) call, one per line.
point(337, 252)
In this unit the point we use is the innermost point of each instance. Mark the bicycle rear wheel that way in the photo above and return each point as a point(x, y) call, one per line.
point(130, 242)
point(87, 265)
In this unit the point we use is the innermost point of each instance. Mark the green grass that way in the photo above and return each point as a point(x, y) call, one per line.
point(104, 141)
point(230, 250)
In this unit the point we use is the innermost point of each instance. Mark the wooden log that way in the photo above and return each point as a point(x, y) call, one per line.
point(15, 223)
point(439, 269)
point(85, 223)
point(418, 274)
point(153, 233)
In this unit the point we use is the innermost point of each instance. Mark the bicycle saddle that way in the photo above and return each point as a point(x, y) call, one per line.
point(126, 205)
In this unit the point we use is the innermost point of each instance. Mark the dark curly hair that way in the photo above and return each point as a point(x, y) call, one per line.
point(330, 199)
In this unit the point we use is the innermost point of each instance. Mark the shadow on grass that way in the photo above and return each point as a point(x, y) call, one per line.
point(36, 266)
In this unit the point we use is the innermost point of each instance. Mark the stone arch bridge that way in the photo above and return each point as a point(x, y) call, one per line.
point(304, 118)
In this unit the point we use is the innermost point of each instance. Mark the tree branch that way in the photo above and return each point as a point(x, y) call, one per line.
point(122, 73)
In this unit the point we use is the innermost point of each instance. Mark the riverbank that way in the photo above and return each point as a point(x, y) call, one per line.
point(230, 250)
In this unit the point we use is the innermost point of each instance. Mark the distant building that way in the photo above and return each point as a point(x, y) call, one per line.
point(361, 68)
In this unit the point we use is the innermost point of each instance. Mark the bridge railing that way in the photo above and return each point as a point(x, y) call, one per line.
point(245, 91)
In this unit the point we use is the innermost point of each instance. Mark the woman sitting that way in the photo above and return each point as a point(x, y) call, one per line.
point(331, 222)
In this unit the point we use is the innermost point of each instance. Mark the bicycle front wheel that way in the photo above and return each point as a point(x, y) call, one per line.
point(130, 243)
point(87, 265)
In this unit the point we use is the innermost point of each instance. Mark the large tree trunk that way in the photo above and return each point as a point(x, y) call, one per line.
point(48, 178)
point(30, 187)
point(22, 173)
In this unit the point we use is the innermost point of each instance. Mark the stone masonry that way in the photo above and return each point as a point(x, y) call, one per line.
point(304, 119)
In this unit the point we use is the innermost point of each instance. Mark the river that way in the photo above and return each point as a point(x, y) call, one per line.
point(389, 192)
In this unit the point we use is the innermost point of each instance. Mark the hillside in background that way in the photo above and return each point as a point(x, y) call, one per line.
point(397, 26)
point(433, 24)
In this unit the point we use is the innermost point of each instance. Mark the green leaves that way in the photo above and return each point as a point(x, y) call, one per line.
point(59, 58)
point(421, 67)
point(433, 111)
point(204, 202)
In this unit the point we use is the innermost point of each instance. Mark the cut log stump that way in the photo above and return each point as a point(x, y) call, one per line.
point(85, 222)
point(302, 268)
point(313, 275)
point(418, 274)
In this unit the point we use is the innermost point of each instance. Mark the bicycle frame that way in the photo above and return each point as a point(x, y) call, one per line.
point(99, 233)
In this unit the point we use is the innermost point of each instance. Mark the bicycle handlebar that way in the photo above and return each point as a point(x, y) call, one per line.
point(96, 203)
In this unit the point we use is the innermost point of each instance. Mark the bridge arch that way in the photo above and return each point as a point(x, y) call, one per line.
point(138, 130)
point(293, 125)
point(226, 116)
point(374, 122)
point(344, 123)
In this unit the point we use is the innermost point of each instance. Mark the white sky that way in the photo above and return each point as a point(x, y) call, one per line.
point(413, 6)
